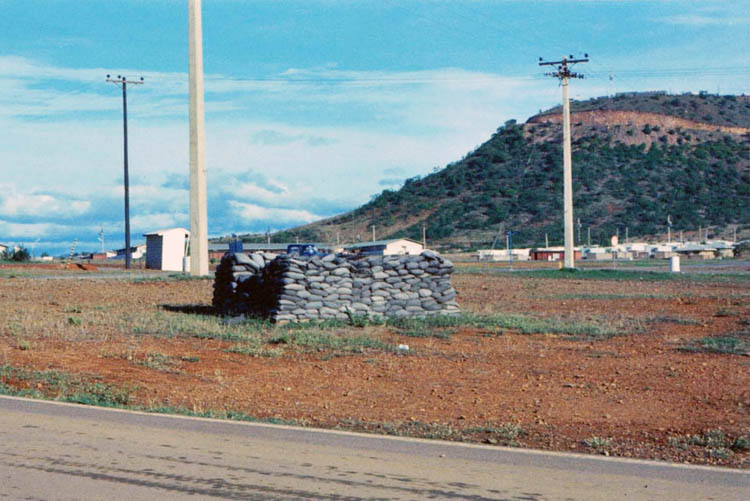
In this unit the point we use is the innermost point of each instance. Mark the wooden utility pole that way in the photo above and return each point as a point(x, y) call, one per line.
point(564, 73)
point(198, 212)
point(123, 82)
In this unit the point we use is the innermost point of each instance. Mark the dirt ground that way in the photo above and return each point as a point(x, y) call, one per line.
point(642, 393)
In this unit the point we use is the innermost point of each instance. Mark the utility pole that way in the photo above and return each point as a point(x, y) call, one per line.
point(510, 248)
point(373, 232)
point(101, 237)
point(564, 73)
point(424, 237)
point(579, 231)
point(669, 229)
point(588, 235)
point(546, 241)
point(123, 82)
point(198, 211)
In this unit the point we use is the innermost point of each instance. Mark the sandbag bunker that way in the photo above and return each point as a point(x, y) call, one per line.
point(287, 288)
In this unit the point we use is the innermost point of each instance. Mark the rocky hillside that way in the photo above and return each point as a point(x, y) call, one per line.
point(636, 159)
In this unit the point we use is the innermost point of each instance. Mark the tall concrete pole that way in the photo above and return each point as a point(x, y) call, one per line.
point(563, 73)
point(198, 212)
point(567, 178)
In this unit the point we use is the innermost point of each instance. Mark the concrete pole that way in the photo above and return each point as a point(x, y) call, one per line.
point(198, 212)
point(567, 179)
point(373, 232)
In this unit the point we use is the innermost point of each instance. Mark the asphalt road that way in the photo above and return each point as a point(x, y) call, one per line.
point(59, 451)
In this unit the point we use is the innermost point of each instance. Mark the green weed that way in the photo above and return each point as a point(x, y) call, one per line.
point(732, 344)
point(62, 386)
point(255, 350)
point(667, 319)
point(598, 443)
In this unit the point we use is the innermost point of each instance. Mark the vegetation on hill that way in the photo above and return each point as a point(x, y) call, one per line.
point(623, 179)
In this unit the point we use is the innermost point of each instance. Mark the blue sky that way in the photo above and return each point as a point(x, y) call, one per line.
point(312, 106)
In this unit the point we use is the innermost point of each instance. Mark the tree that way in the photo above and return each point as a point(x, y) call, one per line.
point(21, 254)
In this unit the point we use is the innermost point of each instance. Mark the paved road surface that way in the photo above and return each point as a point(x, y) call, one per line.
point(59, 451)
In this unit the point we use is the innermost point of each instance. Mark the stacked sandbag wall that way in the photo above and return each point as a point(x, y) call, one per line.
point(297, 288)
point(237, 286)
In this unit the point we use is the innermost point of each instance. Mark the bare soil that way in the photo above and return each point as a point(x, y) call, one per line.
point(635, 395)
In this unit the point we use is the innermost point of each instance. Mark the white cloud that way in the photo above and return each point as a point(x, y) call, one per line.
point(13, 203)
point(279, 216)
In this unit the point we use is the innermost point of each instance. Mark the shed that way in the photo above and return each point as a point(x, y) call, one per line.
point(393, 247)
point(552, 253)
point(166, 249)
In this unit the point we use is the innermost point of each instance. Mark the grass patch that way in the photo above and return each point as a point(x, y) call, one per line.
point(667, 319)
point(732, 344)
point(170, 324)
point(604, 296)
point(442, 325)
point(404, 429)
point(506, 434)
point(254, 350)
point(61, 386)
point(715, 442)
point(610, 274)
point(172, 277)
point(599, 443)
point(317, 339)
point(159, 362)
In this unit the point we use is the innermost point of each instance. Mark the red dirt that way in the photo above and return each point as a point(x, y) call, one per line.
point(637, 390)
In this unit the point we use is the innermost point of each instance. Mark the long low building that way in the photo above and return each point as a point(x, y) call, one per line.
point(503, 255)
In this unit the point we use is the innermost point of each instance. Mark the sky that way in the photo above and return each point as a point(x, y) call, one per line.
point(312, 106)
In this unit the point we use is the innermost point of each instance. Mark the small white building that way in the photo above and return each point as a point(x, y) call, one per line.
point(394, 247)
point(166, 249)
point(136, 252)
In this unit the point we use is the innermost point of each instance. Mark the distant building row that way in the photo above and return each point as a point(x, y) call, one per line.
point(709, 250)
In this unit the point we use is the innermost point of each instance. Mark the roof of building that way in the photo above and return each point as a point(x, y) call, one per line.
point(170, 230)
point(695, 248)
point(378, 243)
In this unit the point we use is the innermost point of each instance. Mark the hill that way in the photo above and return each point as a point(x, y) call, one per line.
point(636, 159)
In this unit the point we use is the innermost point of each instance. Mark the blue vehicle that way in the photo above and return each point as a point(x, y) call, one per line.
point(303, 250)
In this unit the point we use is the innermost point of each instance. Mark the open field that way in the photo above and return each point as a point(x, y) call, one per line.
point(624, 363)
